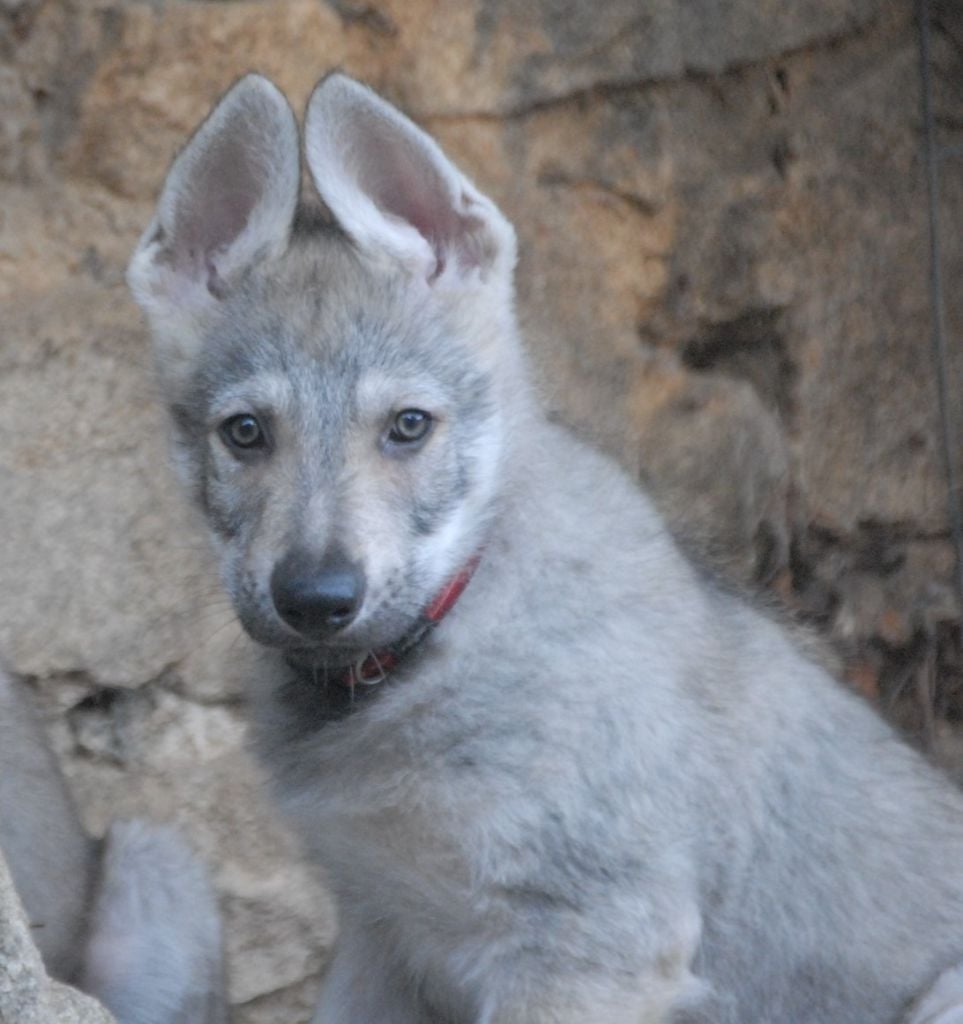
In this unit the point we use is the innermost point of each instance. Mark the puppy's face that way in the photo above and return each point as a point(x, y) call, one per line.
point(335, 389)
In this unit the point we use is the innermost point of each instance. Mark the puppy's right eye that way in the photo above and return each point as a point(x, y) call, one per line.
point(243, 432)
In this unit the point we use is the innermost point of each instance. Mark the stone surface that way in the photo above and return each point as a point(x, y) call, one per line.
point(152, 752)
point(27, 995)
point(724, 276)
point(74, 395)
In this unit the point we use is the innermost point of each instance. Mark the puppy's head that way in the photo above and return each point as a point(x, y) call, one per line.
point(339, 390)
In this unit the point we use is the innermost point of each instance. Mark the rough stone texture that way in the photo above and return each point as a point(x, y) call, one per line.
point(27, 995)
point(722, 216)
point(154, 752)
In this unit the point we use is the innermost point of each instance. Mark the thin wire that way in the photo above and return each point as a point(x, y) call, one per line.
point(931, 157)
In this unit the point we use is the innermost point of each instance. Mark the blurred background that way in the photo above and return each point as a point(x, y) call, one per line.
point(726, 277)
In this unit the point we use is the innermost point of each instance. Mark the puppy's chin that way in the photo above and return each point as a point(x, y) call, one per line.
point(345, 648)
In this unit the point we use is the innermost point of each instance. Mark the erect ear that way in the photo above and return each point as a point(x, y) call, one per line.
point(395, 193)
point(228, 201)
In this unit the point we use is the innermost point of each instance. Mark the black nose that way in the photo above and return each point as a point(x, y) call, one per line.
point(317, 597)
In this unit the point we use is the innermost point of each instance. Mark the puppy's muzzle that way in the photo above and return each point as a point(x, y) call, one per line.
point(317, 597)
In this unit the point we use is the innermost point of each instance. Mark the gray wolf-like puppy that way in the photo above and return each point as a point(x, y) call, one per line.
point(553, 773)
point(132, 918)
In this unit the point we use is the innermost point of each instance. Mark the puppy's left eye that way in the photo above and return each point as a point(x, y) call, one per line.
point(243, 432)
point(410, 426)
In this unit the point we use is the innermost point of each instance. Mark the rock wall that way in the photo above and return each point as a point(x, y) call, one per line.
point(27, 995)
point(724, 276)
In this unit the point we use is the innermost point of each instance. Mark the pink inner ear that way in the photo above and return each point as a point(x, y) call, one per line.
point(227, 185)
point(403, 181)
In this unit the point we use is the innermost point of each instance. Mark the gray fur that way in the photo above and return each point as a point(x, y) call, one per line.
point(154, 952)
point(602, 790)
point(131, 919)
point(52, 861)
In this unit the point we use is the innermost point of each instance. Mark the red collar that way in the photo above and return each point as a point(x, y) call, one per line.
point(375, 666)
